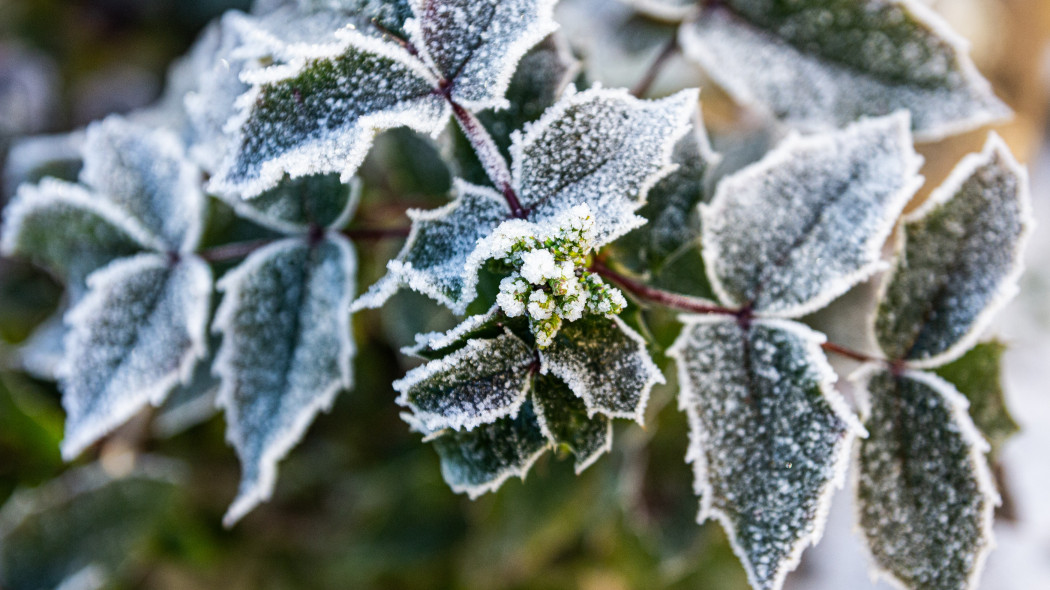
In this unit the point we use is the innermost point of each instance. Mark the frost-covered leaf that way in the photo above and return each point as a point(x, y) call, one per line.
point(564, 420)
point(433, 345)
point(475, 45)
point(190, 403)
point(603, 148)
point(319, 115)
point(137, 333)
point(769, 436)
point(480, 460)
point(817, 63)
point(959, 260)
point(31, 159)
point(434, 259)
point(285, 354)
point(606, 364)
point(924, 491)
point(92, 231)
point(477, 384)
point(41, 354)
point(542, 75)
point(673, 208)
point(83, 527)
point(146, 172)
point(978, 376)
point(664, 9)
point(298, 204)
point(807, 222)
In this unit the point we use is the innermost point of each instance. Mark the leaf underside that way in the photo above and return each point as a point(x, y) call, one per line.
point(769, 436)
point(285, 354)
point(924, 491)
point(820, 64)
point(564, 420)
point(960, 260)
point(799, 228)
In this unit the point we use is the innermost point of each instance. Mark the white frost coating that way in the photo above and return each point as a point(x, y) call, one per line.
point(41, 354)
point(668, 10)
point(90, 577)
point(799, 228)
point(478, 384)
point(695, 346)
point(138, 332)
point(51, 194)
point(477, 44)
point(601, 147)
point(995, 152)
point(614, 382)
point(437, 340)
point(582, 461)
point(280, 365)
point(763, 70)
point(146, 172)
point(290, 33)
point(26, 155)
point(978, 447)
point(280, 148)
point(437, 260)
point(520, 471)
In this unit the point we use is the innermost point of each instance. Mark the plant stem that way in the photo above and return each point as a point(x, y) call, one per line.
point(672, 300)
point(850, 353)
point(669, 50)
point(488, 153)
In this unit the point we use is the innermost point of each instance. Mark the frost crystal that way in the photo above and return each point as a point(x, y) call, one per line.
point(548, 280)
point(959, 260)
point(820, 64)
point(924, 491)
point(564, 420)
point(285, 354)
point(769, 436)
point(807, 222)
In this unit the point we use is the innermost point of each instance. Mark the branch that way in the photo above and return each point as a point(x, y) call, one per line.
point(238, 250)
point(672, 300)
point(670, 49)
point(850, 353)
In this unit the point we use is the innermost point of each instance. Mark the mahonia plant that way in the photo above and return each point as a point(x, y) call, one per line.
point(567, 202)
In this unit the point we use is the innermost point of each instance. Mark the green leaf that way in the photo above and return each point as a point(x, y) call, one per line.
point(137, 334)
point(296, 205)
point(924, 491)
point(958, 261)
point(286, 352)
point(769, 437)
point(565, 421)
point(94, 231)
point(320, 115)
point(81, 528)
point(606, 364)
point(434, 345)
point(789, 234)
point(477, 384)
point(480, 460)
point(835, 61)
point(978, 376)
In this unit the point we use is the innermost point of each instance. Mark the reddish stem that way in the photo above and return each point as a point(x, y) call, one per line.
point(238, 250)
point(670, 49)
point(672, 300)
point(850, 353)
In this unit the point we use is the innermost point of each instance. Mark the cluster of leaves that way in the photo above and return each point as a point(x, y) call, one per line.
point(271, 115)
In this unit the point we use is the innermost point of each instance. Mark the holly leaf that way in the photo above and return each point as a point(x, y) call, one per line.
point(958, 261)
point(606, 364)
point(817, 64)
point(769, 436)
point(670, 10)
point(191, 403)
point(137, 334)
point(832, 198)
point(564, 420)
point(480, 460)
point(434, 259)
point(978, 376)
point(924, 491)
point(475, 385)
point(83, 527)
point(146, 172)
point(319, 115)
point(474, 45)
point(94, 231)
point(285, 354)
point(298, 204)
point(433, 345)
point(31, 159)
point(603, 148)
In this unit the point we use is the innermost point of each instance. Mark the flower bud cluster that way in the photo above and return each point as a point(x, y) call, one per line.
point(549, 282)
